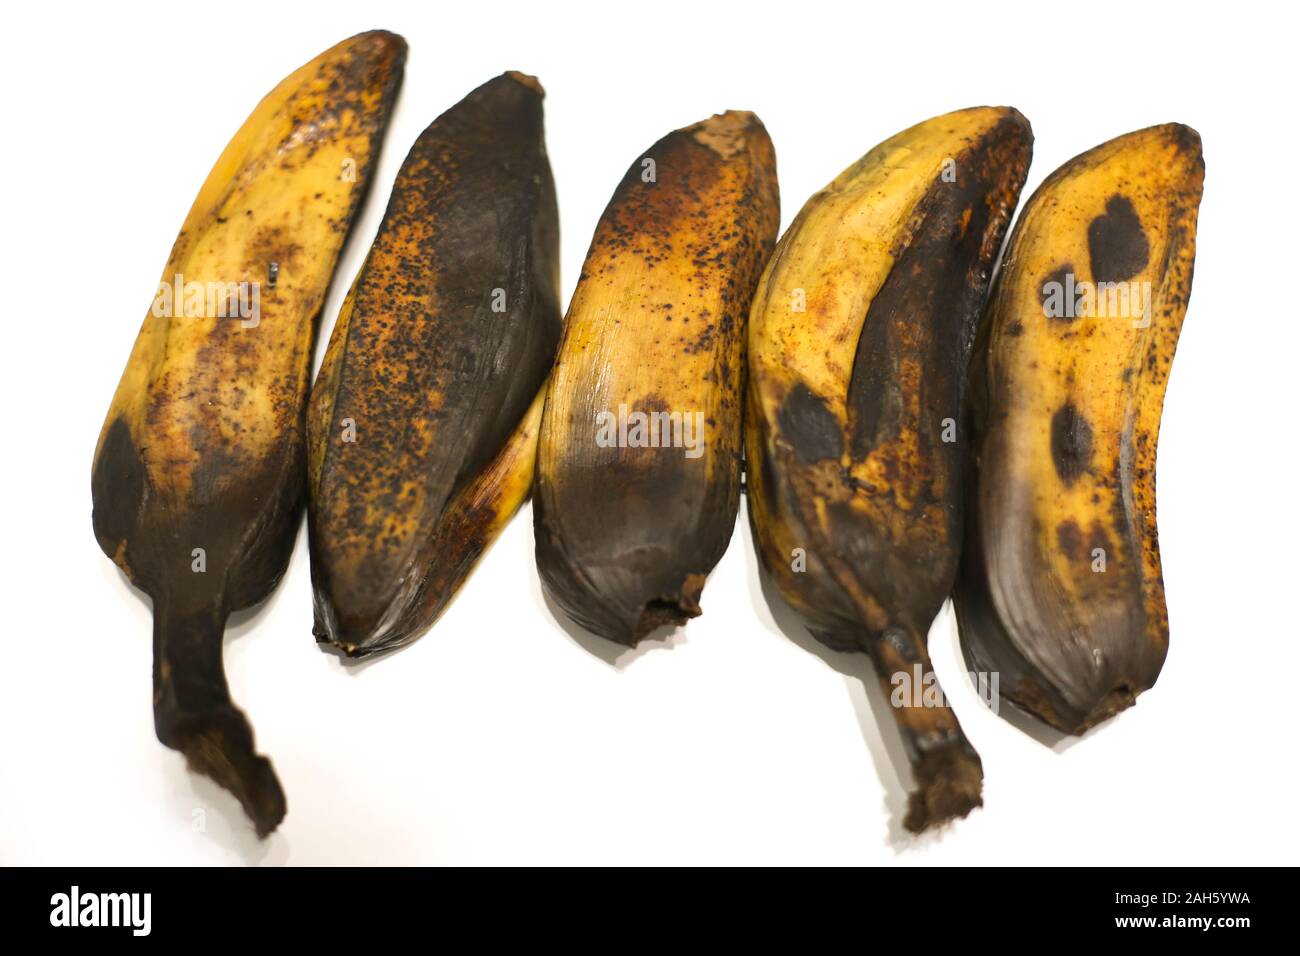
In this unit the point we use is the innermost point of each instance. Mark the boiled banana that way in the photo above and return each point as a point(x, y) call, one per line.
point(424, 417)
point(198, 475)
point(1060, 588)
point(639, 460)
point(858, 343)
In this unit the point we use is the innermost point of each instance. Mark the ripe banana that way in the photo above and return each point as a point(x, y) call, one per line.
point(423, 421)
point(1060, 586)
point(858, 343)
point(638, 469)
point(198, 472)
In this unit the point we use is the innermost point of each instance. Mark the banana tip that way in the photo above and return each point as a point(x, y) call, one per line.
point(1121, 698)
point(1187, 139)
point(724, 133)
point(222, 749)
point(949, 785)
point(528, 80)
point(670, 611)
point(386, 40)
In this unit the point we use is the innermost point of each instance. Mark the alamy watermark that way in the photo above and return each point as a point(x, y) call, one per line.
point(919, 688)
point(636, 429)
point(1065, 297)
point(128, 910)
point(209, 300)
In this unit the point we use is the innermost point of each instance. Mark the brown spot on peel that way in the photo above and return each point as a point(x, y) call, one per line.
point(1069, 539)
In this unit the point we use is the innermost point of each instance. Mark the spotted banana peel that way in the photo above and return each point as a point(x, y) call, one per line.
point(1060, 588)
point(198, 475)
point(638, 469)
point(424, 417)
point(858, 345)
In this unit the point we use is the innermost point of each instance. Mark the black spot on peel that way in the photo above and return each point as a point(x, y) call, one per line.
point(1053, 294)
point(1117, 244)
point(117, 487)
point(1071, 443)
point(809, 426)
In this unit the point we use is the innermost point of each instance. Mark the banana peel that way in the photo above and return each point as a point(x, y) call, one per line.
point(198, 475)
point(424, 418)
point(859, 339)
point(639, 459)
point(1060, 589)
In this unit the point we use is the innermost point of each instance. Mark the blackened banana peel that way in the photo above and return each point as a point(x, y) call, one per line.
point(628, 531)
point(198, 476)
point(859, 339)
point(424, 419)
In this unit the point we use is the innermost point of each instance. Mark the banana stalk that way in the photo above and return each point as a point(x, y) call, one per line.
point(424, 418)
point(198, 475)
point(858, 343)
point(639, 460)
point(1060, 588)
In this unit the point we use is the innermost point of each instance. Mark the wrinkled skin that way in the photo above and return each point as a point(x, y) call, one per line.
point(198, 477)
point(626, 535)
point(1060, 589)
point(858, 348)
point(424, 417)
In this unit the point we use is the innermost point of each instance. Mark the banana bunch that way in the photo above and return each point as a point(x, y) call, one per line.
point(905, 440)
point(1060, 588)
point(199, 471)
point(424, 417)
point(639, 459)
point(859, 339)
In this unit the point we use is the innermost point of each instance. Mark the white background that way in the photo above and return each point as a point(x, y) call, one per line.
point(504, 736)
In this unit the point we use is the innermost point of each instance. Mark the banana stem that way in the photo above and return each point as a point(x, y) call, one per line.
point(193, 712)
point(947, 771)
